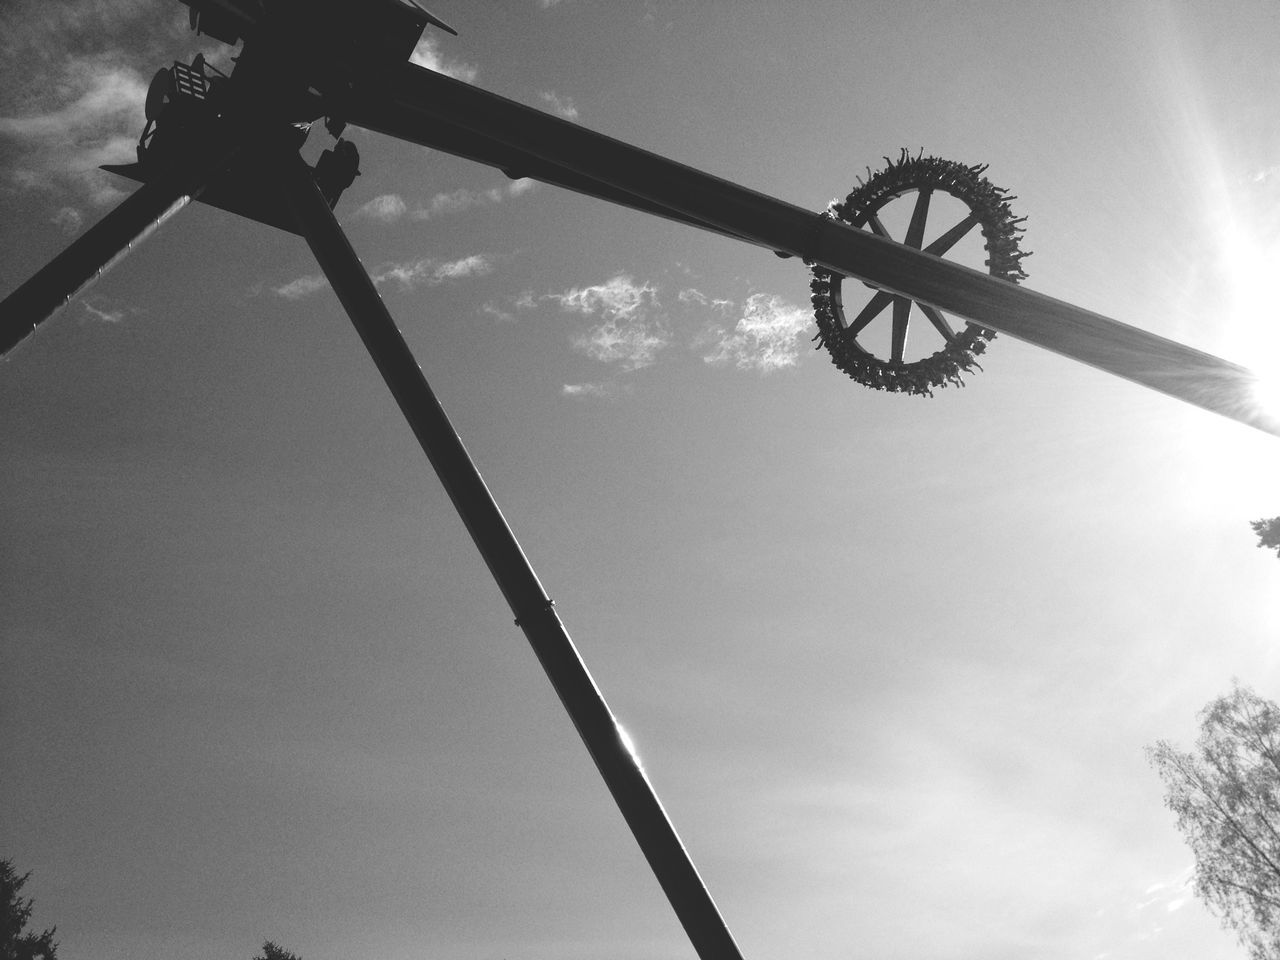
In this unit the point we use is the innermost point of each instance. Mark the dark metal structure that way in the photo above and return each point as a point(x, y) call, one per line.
point(233, 141)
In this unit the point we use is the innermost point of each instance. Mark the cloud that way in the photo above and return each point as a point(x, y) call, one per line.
point(427, 54)
point(633, 325)
point(458, 200)
point(387, 208)
point(767, 336)
point(561, 106)
point(617, 297)
point(69, 220)
point(409, 275)
point(95, 118)
point(476, 265)
point(602, 391)
point(633, 329)
point(302, 287)
point(698, 298)
point(491, 309)
point(632, 343)
point(103, 313)
point(430, 272)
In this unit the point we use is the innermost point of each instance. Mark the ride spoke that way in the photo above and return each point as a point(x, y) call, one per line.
point(915, 232)
point(878, 228)
point(901, 316)
point(953, 236)
point(868, 313)
point(939, 321)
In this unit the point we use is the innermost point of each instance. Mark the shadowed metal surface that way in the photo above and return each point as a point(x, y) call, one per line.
point(425, 107)
point(533, 609)
point(105, 244)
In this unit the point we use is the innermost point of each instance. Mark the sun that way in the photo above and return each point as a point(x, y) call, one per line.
point(1266, 394)
point(1253, 310)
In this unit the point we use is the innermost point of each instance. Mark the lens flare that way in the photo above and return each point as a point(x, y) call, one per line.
point(1266, 394)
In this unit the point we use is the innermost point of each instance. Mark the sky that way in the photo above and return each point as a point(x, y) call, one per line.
point(891, 662)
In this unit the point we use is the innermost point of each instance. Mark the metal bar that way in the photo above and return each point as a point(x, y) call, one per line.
point(915, 230)
point(533, 610)
point(411, 98)
point(901, 319)
point(103, 245)
point(385, 116)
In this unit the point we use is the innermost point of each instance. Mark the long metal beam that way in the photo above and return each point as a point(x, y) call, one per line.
point(533, 609)
point(106, 243)
point(426, 107)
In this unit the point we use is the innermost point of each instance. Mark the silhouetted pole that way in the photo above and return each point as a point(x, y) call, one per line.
point(105, 244)
point(426, 107)
point(532, 607)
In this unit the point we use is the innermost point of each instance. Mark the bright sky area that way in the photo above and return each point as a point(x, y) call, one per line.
point(891, 662)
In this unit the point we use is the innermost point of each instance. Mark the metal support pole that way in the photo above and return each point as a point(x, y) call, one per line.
point(104, 245)
point(423, 106)
point(532, 607)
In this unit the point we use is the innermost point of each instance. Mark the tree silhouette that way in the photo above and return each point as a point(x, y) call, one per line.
point(273, 951)
point(1268, 532)
point(1226, 795)
point(16, 942)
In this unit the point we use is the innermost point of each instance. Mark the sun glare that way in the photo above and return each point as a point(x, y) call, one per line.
point(1266, 394)
point(1251, 258)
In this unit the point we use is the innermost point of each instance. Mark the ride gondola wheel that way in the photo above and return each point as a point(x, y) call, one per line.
point(840, 330)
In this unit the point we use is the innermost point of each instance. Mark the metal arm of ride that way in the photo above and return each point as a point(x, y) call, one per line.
point(533, 610)
point(425, 107)
point(106, 243)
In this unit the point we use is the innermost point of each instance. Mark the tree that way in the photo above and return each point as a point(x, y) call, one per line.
point(1226, 795)
point(16, 942)
point(1268, 532)
point(273, 951)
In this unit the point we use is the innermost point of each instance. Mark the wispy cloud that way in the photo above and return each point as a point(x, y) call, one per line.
point(69, 220)
point(430, 272)
point(387, 208)
point(458, 200)
point(409, 275)
point(491, 309)
point(98, 310)
point(767, 337)
point(633, 328)
point(617, 297)
point(631, 342)
point(476, 265)
point(562, 106)
point(690, 296)
point(427, 54)
point(598, 391)
point(95, 119)
point(302, 287)
point(391, 207)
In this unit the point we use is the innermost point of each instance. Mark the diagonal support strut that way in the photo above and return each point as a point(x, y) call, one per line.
point(619, 767)
point(106, 243)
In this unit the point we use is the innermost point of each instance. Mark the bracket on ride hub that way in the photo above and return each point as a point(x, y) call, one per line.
point(186, 111)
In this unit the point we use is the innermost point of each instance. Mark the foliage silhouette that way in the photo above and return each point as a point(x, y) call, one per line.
point(1226, 795)
point(16, 942)
point(1268, 532)
point(273, 951)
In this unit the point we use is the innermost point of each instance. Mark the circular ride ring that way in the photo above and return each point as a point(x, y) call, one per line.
point(988, 207)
